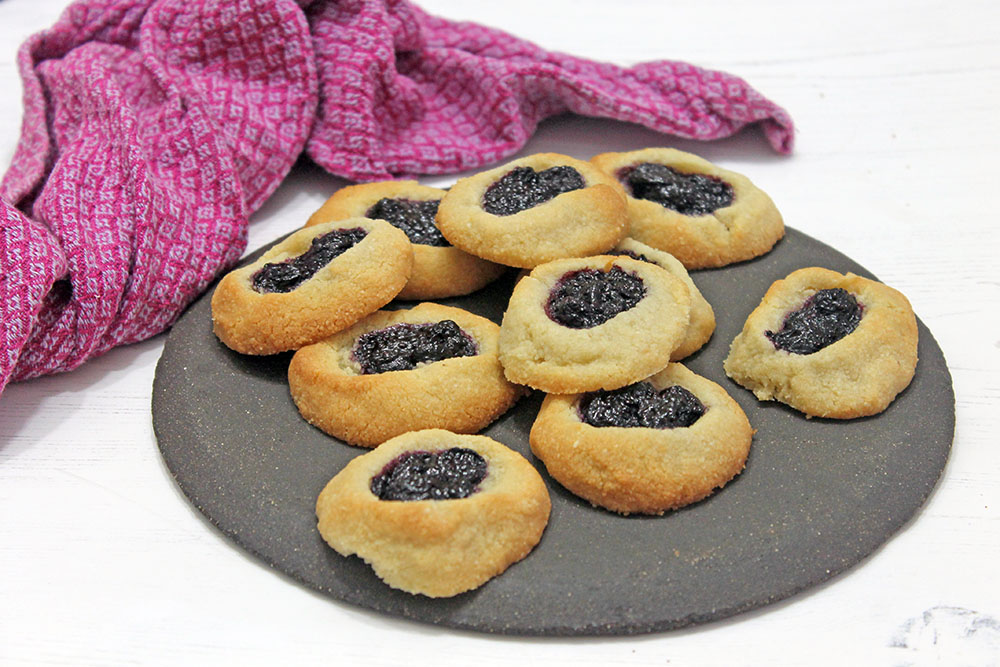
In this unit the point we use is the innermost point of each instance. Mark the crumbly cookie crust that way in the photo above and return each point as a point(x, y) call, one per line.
point(462, 394)
point(747, 228)
point(352, 285)
point(644, 470)
point(543, 354)
point(573, 224)
point(437, 548)
point(857, 376)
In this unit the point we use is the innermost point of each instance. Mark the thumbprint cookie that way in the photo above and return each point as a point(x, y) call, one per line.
point(583, 324)
point(431, 366)
point(827, 344)
point(702, 214)
point(435, 513)
point(316, 282)
point(656, 445)
point(533, 210)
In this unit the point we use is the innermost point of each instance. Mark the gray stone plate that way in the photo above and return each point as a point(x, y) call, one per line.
point(817, 496)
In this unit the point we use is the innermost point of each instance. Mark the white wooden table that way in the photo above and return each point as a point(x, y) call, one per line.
point(104, 561)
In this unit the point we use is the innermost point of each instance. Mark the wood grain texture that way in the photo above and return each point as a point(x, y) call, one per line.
point(102, 561)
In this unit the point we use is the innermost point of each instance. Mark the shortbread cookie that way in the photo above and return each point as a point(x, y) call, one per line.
point(702, 322)
point(827, 344)
point(431, 366)
point(312, 284)
point(703, 215)
point(440, 269)
point(583, 324)
point(665, 442)
point(435, 513)
point(533, 210)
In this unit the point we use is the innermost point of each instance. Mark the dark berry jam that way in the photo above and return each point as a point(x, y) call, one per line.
point(449, 474)
point(628, 253)
point(287, 275)
point(402, 347)
point(416, 218)
point(524, 188)
point(586, 298)
point(640, 405)
point(825, 317)
point(688, 194)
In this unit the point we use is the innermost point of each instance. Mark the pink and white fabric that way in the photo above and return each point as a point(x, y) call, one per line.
point(154, 128)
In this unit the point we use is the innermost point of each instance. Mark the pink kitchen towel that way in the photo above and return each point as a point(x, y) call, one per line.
point(153, 129)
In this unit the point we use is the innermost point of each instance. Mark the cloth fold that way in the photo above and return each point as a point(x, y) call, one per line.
point(153, 129)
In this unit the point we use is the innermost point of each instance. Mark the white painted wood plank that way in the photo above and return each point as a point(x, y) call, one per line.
point(103, 561)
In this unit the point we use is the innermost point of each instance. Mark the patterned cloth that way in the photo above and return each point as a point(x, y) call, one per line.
point(154, 128)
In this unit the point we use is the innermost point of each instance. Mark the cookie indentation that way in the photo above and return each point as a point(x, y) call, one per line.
point(640, 405)
point(589, 297)
point(825, 317)
point(415, 218)
point(283, 277)
point(688, 194)
point(402, 347)
point(449, 474)
point(523, 188)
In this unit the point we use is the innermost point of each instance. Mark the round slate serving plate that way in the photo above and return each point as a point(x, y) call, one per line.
point(817, 496)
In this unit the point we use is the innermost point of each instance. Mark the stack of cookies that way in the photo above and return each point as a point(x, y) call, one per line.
point(599, 317)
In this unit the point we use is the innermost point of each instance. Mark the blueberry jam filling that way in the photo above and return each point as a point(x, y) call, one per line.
point(586, 298)
point(287, 275)
point(628, 253)
point(416, 218)
point(449, 474)
point(825, 317)
point(524, 188)
point(403, 347)
point(640, 405)
point(688, 194)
